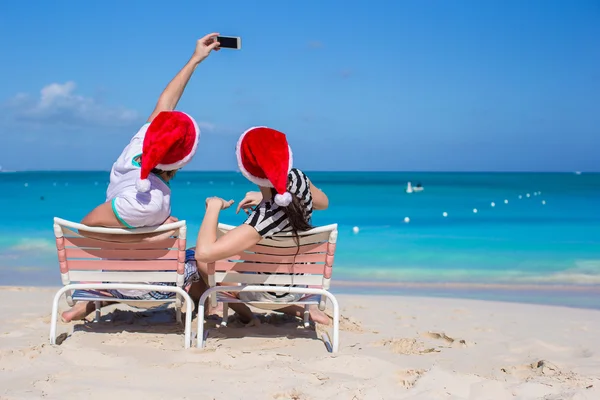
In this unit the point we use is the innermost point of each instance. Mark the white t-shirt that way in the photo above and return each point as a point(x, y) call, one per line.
point(135, 209)
point(132, 208)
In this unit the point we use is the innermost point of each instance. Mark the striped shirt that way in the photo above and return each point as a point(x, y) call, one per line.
point(269, 219)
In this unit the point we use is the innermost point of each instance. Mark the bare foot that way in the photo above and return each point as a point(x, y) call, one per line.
point(209, 311)
point(319, 316)
point(78, 312)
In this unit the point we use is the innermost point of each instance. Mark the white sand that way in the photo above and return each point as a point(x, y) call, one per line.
point(391, 348)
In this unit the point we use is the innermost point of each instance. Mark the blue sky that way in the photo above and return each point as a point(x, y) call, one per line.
point(395, 85)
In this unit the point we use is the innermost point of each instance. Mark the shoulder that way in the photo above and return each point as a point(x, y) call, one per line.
point(141, 133)
point(300, 186)
point(126, 160)
point(298, 172)
point(298, 176)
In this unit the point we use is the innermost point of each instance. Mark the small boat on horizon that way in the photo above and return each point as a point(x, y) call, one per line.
point(411, 189)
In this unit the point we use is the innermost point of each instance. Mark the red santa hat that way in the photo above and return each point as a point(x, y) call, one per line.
point(265, 158)
point(170, 143)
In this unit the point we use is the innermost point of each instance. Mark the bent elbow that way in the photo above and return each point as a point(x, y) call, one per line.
point(322, 204)
point(202, 256)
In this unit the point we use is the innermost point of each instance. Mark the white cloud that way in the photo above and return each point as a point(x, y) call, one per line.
point(59, 105)
point(206, 126)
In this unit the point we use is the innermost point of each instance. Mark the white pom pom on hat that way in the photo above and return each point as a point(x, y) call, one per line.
point(142, 185)
point(283, 200)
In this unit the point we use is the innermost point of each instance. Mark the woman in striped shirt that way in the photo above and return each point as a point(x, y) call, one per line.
point(285, 203)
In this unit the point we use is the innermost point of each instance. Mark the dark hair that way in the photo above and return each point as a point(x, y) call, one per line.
point(170, 174)
point(295, 213)
point(156, 171)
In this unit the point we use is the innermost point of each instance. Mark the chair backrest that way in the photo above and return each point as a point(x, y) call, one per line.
point(86, 259)
point(280, 261)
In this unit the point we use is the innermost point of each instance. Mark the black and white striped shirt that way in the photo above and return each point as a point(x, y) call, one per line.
point(269, 219)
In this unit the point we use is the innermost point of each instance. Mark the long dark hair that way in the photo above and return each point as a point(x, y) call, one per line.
point(295, 213)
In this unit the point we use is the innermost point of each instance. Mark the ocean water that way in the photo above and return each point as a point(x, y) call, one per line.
point(542, 235)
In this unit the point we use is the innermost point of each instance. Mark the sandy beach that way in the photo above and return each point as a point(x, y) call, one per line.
point(391, 348)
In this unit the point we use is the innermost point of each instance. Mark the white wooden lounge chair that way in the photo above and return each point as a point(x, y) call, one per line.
point(277, 257)
point(88, 264)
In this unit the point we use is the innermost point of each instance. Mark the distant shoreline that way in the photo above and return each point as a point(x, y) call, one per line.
point(327, 171)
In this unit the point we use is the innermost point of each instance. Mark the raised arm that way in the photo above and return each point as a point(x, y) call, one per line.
point(320, 200)
point(170, 96)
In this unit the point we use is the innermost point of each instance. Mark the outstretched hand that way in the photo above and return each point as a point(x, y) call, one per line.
point(205, 45)
point(223, 204)
point(252, 199)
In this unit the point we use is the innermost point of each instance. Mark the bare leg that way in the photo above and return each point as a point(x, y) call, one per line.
point(196, 290)
point(246, 315)
point(316, 315)
point(81, 310)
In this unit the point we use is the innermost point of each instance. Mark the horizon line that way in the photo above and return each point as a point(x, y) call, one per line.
point(340, 171)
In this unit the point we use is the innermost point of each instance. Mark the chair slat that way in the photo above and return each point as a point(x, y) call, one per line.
point(114, 276)
point(101, 244)
point(264, 267)
point(290, 251)
point(115, 265)
point(268, 258)
point(257, 279)
point(122, 254)
point(290, 242)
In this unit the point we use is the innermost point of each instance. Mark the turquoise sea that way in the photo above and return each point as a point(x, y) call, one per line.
point(539, 243)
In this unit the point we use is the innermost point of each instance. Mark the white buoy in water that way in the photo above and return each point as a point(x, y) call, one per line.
point(26, 184)
point(505, 201)
point(493, 204)
point(406, 220)
point(543, 201)
point(535, 193)
point(475, 210)
point(520, 196)
point(444, 214)
point(528, 195)
point(355, 229)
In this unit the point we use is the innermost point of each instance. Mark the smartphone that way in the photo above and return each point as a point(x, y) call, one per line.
point(230, 42)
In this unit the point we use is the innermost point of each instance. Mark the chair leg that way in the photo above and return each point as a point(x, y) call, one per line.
point(225, 314)
point(336, 325)
point(306, 315)
point(98, 314)
point(178, 305)
point(188, 322)
point(54, 319)
point(200, 334)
